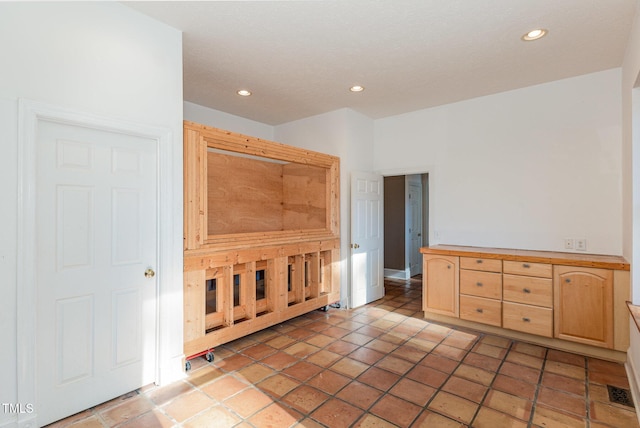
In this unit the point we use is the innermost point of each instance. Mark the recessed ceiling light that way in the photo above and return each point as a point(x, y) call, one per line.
point(356, 88)
point(534, 34)
point(244, 93)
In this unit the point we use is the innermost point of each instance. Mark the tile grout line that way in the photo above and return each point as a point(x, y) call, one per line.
point(489, 387)
point(534, 403)
point(449, 376)
point(334, 395)
point(426, 405)
point(400, 378)
point(391, 309)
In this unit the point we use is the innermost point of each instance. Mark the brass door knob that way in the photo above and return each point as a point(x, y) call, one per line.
point(149, 273)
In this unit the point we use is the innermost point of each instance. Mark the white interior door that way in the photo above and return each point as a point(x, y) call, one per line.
point(96, 240)
point(415, 230)
point(367, 238)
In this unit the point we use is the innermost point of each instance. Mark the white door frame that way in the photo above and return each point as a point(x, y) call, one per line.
point(30, 113)
point(409, 231)
point(430, 225)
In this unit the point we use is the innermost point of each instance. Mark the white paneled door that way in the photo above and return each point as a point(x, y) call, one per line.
point(367, 238)
point(415, 230)
point(96, 240)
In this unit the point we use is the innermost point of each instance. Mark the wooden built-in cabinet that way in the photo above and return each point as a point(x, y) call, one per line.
point(442, 273)
point(261, 234)
point(554, 299)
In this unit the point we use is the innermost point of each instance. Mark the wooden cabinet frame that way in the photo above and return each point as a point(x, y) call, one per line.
point(199, 138)
point(299, 267)
point(580, 305)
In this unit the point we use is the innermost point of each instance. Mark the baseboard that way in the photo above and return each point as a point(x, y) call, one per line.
point(634, 381)
point(12, 423)
point(397, 274)
point(29, 420)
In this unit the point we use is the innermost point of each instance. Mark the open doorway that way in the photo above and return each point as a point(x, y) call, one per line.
point(406, 224)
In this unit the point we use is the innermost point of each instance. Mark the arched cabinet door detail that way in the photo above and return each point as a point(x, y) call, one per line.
point(441, 284)
point(583, 305)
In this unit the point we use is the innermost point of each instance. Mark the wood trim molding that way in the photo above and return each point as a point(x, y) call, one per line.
point(198, 138)
point(634, 310)
point(551, 257)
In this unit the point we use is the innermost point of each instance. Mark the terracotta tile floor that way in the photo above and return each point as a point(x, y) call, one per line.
point(381, 365)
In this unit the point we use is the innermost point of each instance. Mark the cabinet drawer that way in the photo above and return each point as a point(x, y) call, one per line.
point(479, 309)
point(542, 270)
point(487, 265)
point(528, 290)
point(481, 284)
point(528, 319)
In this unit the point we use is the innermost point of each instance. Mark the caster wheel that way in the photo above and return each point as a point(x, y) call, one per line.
point(187, 365)
point(324, 308)
point(209, 356)
point(336, 305)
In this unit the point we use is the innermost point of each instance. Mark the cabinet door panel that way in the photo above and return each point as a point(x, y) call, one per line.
point(583, 305)
point(440, 284)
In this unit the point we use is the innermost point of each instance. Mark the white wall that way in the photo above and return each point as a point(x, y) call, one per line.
point(631, 188)
point(218, 119)
point(99, 58)
point(521, 169)
point(348, 135)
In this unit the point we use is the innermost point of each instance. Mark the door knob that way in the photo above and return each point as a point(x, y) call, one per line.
point(149, 273)
point(356, 246)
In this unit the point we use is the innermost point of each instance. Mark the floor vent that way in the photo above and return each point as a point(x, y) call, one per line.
point(620, 396)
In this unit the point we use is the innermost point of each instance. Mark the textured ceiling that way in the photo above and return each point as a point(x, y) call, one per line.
point(300, 57)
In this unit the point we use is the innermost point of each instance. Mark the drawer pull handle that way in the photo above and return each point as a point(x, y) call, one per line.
point(448, 266)
point(479, 310)
point(479, 261)
point(567, 280)
point(526, 265)
point(479, 284)
point(525, 319)
point(526, 290)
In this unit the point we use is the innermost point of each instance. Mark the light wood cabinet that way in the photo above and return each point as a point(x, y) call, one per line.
point(481, 290)
point(583, 305)
point(528, 297)
point(543, 270)
point(481, 284)
point(569, 301)
point(441, 285)
point(481, 264)
point(480, 309)
point(527, 290)
point(527, 318)
point(261, 234)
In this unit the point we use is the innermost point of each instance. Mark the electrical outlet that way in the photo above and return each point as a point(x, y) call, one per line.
point(568, 244)
point(581, 244)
